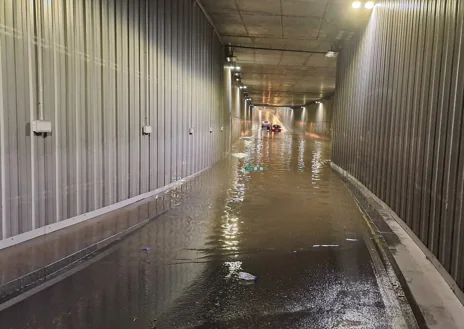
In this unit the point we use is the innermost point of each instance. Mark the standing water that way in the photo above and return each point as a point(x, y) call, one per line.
point(294, 226)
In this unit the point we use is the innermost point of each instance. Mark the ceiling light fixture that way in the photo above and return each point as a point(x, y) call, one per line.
point(369, 5)
point(356, 4)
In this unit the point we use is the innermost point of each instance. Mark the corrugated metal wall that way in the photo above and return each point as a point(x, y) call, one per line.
point(239, 113)
point(398, 118)
point(315, 119)
point(99, 70)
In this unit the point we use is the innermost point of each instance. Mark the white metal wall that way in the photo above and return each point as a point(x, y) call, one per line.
point(99, 70)
point(398, 119)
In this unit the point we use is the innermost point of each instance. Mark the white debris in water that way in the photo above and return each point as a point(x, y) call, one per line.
point(240, 155)
point(246, 276)
point(233, 267)
point(348, 239)
point(325, 245)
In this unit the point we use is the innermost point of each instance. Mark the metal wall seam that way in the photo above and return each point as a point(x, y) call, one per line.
point(3, 205)
point(7, 123)
point(415, 168)
point(428, 52)
point(457, 266)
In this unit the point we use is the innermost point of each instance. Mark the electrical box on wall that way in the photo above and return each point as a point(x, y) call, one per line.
point(41, 126)
point(210, 129)
point(191, 131)
point(222, 128)
point(146, 130)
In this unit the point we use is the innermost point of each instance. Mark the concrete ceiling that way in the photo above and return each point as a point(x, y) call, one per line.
point(277, 77)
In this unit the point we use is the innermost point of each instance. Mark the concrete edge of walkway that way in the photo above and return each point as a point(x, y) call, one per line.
point(23, 284)
point(435, 300)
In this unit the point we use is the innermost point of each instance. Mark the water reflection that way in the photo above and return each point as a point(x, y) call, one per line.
point(316, 163)
point(287, 225)
point(230, 225)
point(301, 151)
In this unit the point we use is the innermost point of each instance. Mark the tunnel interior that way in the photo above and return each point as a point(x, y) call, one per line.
point(132, 142)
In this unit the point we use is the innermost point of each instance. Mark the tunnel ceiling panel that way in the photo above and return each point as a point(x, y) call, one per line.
point(304, 25)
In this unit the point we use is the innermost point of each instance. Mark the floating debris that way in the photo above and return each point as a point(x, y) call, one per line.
point(240, 155)
point(247, 276)
point(255, 168)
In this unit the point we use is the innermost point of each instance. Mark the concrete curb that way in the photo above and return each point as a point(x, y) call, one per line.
point(433, 308)
point(380, 243)
point(33, 279)
point(29, 281)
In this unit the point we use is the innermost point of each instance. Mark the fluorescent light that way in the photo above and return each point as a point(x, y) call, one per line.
point(356, 4)
point(244, 87)
point(237, 68)
point(369, 5)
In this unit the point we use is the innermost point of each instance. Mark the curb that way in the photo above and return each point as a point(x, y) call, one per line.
point(372, 214)
point(390, 263)
point(36, 278)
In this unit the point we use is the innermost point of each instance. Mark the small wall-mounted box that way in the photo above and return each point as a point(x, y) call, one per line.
point(222, 128)
point(191, 131)
point(210, 129)
point(41, 126)
point(147, 130)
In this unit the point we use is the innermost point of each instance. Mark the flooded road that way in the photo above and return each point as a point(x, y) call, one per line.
point(295, 226)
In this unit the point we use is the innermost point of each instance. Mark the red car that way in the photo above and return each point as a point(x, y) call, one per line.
point(276, 128)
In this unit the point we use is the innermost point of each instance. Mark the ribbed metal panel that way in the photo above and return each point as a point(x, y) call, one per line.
point(100, 70)
point(314, 119)
point(398, 118)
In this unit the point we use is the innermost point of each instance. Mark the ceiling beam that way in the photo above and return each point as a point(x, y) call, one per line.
point(280, 49)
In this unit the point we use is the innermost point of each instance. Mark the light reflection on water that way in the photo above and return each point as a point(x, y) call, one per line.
point(316, 163)
point(301, 151)
point(230, 225)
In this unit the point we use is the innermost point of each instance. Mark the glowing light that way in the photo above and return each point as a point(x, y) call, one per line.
point(369, 5)
point(356, 4)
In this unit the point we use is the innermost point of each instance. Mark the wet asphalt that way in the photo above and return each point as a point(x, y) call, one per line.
point(295, 226)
